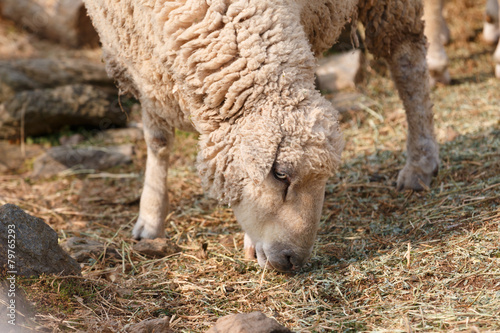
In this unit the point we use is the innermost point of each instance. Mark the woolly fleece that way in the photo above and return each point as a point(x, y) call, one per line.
point(241, 74)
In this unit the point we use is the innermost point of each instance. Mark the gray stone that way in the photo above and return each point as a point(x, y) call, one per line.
point(15, 308)
point(71, 140)
point(83, 249)
point(45, 95)
point(29, 74)
point(255, 322)
point(42, 111)
point(118, 135)
point(159, 325)
point(64, 22)
point(13, 156)
point(59, 159)
point(340, 71)
point(158, 248)
point(35, 250)
point(344, 101)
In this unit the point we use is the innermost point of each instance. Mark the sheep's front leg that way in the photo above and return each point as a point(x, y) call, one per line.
point(409, 71)
point(154, 198)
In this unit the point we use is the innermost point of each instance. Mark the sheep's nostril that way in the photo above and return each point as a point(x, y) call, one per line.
point(287, 263)
point(289, 260)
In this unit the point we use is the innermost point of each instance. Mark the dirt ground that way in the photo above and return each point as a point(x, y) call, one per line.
point(384, 261)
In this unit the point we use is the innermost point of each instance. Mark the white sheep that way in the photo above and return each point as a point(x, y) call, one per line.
point(241, 73)
point(438, 35)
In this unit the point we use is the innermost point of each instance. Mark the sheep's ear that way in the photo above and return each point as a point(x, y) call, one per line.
point(260, 138)
point(236, 153)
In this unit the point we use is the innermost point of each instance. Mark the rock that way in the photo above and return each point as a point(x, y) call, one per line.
point(44, 95)
point(64, 22)
point(42, 111)
point(255, 322)
point(12, 156)
point(43, 73)
point(159, 325)
point(340, 71)
point(58, 159)
point(16, 308)
point(118, 135)
point(158, 248)
point(344, 101)
point(71, 140)
point(82, 249)
point(36, 250)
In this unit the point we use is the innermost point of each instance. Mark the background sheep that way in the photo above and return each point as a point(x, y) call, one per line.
point(438, 35)
point(241, 74)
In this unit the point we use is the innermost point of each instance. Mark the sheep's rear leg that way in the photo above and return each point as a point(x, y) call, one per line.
point(491, 28)
point(154, 198)
point(409, 71)
point(496, 58)
point(437, 34)
point(491, 32)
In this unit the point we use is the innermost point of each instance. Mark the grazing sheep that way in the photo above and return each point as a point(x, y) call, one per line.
point(438, 35)
point(240, 73)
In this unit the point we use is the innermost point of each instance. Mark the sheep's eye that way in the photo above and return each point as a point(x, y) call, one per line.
point(280, 175)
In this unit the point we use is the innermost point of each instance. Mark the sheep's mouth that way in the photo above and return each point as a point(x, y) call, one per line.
point(261, 256)
point(257, 253)
point(278, 257)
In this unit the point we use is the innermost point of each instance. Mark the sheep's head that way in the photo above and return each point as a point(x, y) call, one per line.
point(272, 168)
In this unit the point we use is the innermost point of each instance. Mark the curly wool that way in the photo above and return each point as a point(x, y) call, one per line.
point(238, 72)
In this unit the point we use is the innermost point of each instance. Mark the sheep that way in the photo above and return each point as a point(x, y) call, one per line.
point(241, 74)
point(438, 35)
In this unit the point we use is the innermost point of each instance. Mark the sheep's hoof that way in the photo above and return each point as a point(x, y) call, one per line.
point(413, 178)
point(146, 229)
point(442, 77)
point(445, 34)
point(437, 61)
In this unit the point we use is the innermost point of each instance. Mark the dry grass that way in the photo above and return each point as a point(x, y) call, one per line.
point(384, 261)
